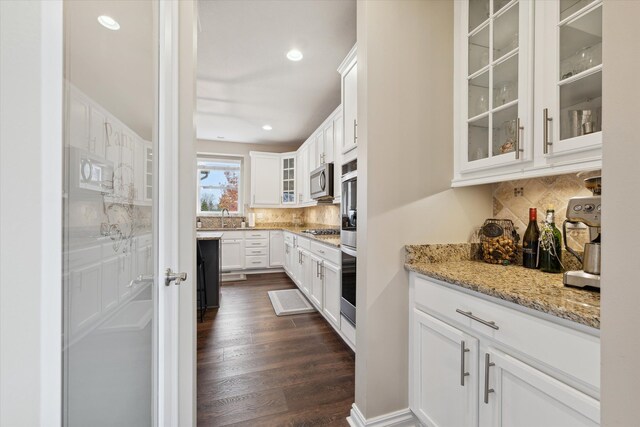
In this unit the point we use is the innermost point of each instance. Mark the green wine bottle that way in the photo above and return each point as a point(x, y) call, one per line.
point(550, 246)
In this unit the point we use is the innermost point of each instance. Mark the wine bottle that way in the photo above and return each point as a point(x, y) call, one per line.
point(550, 246)
point(530, 241)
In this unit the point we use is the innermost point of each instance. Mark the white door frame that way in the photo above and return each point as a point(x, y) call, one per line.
point(31, 392)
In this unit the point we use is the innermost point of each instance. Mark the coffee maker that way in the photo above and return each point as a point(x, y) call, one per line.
point(586, 210)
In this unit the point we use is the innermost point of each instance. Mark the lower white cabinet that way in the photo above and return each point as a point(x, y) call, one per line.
point(516, 394)
point(332, 276)
point(276, 249)
point(446, 371)
point(317, 285)
point(467, 373)
point(289, 259)
point(303, 270)
point(233, 254)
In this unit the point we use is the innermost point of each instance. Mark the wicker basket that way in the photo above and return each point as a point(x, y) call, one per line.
point(499, 241)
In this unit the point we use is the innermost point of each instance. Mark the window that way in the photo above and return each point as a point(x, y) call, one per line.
point(219, 185)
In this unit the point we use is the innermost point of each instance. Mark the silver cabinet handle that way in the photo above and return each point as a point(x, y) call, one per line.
point(463, 374)
point(140, 279)
point(317, 269)
point(517, 147)
point(470, 315)
point(545, 131)
point(355, 131)
point(170, 276)
point(321, 270)
point(321, 251)
point(487, 364)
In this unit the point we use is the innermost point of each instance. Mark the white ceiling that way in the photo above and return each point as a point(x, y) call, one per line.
point(245, 80)
point(114, 68)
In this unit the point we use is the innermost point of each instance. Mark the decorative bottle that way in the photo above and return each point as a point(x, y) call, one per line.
point(550, 246)
point(530, 241)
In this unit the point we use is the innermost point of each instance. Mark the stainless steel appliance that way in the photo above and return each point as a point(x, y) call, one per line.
point(89, 172)
point(322, 183)
point(323, 231)
point(349, 204)
point(586, 210)
point(349, 208)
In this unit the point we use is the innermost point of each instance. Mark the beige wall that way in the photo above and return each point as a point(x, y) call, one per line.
point(405, 114)
point(241, 149)
point(620, 270)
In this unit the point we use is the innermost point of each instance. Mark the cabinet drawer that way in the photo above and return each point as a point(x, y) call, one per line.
point(256, 234)
point(323, 251)
point(256, 243)
point(571, 352)
point(256, 251)
point(288, 237)
point(259, 261)
point(302, 242)
point(233, 235)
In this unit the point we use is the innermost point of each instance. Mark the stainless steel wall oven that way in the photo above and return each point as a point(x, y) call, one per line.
point(348, 240)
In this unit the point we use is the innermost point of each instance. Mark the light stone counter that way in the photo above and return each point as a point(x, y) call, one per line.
point(526, 287)
point(332, 240)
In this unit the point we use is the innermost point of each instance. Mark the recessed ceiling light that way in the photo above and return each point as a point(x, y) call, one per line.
point(267, 127)
point(221, 137)
point(108, 22)
point(294, 55)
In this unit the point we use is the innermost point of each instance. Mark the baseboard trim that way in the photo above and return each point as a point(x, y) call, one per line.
point(402, 418)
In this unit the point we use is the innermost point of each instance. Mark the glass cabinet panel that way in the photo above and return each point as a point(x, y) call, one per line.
point(288, 180)
point(493, 79)
point(580, 68)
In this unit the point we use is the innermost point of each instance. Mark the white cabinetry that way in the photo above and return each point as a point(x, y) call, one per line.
point(332, 277)
point(316, 282)
point(233, 253)
point(349, 72)
point(474, 363)
point(265, 179)
point(276, 249)
point(288, 179)
point(445, 358)
point(515, 121)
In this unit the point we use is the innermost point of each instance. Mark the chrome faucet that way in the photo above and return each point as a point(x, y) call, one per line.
point(222, 217)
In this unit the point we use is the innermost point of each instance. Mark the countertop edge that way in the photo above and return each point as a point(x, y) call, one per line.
point(561, 317)
point(299, 233)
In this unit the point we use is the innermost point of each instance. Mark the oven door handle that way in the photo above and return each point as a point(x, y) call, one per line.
point(349, 251)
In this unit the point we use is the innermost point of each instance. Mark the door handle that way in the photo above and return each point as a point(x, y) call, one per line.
point(470, 315)
point(355, 131)
point(545, 123)
point(487, 364)
point(463, 374)
point(170, 276)
point(140, 279)
point(518, 150)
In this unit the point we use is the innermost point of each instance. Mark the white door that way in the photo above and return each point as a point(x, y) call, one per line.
point(317, 286)
point(232, 254)
point(444, 380)
point(516, 394)
point(265, 179)
point(332, 275)
point(276, 249)
point(350, 109)
point(120, 342)
point(288, 258)
point(304, 268)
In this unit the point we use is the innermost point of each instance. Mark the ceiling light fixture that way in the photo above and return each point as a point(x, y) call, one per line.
point(221, 137)
point(108, 22)
point(267, 127)
point(294, 55)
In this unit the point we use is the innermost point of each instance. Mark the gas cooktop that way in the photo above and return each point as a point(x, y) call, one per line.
point(323, 231)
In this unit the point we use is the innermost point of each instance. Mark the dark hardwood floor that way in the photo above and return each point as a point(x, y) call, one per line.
point(257, 369)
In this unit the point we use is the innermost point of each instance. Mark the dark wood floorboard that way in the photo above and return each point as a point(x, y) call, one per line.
point(257, 369)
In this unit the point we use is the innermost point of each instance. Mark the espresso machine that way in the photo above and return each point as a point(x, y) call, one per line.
point(586, 210)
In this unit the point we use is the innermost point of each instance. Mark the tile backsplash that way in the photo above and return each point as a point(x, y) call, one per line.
point(321, 214)
point(512, 200)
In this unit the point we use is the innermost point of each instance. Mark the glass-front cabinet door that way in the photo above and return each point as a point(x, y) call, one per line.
point(496, 83)
point(571, 75)
point(288, 180)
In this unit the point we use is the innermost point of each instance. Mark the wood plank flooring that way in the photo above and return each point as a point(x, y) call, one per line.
point(257, 369)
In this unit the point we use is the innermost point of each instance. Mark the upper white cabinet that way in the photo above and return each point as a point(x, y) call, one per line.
point(288, 178)
point(521, 112)
point(265, 179)
point(349, 72)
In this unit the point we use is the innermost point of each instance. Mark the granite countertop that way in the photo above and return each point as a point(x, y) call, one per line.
point(208, 235)
point(331, 240)
point(529, 288)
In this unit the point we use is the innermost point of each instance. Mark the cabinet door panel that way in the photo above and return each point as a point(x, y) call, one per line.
point(438, 397)
point(304, 271)
point(317, 285)
point(265, 178)
point(232, 255)
point(85, 297)
point(350, 109)
point(276, 249)
point(525, 397)
point(332, 276)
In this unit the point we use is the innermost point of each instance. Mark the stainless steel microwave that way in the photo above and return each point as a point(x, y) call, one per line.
point(322, 183)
